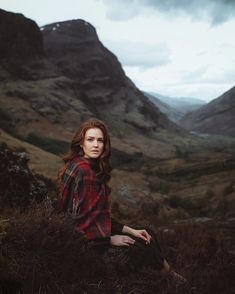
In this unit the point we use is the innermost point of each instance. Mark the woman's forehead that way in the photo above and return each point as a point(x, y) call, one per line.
point(94, 132)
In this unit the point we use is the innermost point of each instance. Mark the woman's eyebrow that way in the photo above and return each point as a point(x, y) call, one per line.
point(90, 137)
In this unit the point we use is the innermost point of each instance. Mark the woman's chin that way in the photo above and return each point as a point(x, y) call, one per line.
point(94, 156)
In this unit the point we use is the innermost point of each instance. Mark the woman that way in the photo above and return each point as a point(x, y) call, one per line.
point(84, 194)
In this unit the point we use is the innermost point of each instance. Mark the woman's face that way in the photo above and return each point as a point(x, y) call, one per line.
point(93, 144)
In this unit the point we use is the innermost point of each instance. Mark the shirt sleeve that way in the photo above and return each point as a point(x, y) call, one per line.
point(116, 227)
point(69, 190)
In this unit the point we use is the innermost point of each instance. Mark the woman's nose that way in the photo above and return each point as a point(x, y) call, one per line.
point(95, 143)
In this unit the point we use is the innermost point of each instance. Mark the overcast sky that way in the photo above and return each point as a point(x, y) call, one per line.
point(183, 48)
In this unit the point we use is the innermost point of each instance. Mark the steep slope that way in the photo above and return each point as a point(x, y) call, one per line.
point(217, 117)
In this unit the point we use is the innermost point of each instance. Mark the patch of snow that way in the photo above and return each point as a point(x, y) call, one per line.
point(42, 28)
point(54, 29)
point(57, 25)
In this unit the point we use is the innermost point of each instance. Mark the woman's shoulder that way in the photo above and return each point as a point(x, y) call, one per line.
point(78, 169)
point(78, 164)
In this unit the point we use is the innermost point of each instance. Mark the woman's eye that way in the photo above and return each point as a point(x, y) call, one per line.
point(90, 139)
point(101, 140)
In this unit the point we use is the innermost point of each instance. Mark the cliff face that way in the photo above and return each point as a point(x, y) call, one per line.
point(20, 38)
point(21, 49)
point(217, 117)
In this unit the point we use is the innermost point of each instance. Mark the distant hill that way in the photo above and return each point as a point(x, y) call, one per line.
point(217, 117)
point(171, 112)
point(175, 107)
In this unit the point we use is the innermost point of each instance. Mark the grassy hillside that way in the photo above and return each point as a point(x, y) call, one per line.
point(42, 162)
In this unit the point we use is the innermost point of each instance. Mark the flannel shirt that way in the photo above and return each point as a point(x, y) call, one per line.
point(87, 201)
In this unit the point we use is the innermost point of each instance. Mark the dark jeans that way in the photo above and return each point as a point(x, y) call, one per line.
point(135, 256)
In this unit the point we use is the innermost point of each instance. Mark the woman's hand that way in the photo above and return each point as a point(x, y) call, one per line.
point(121, 240)
point(142, 234)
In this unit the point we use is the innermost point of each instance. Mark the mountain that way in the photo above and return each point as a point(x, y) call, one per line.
point(56, 77)
point(177, 106)
point(217, 117)
point(75, 48)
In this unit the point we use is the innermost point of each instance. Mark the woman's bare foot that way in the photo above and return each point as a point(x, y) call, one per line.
point(168, 272)
point(177, 278)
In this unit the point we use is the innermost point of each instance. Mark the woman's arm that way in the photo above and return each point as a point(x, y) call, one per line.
point(142, 234)
point(116, 227)
point(121, 240)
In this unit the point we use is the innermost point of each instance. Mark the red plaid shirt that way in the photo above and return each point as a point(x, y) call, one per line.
point(87, 200)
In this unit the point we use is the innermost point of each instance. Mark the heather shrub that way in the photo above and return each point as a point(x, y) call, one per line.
point(42, 254)
point(19, 186)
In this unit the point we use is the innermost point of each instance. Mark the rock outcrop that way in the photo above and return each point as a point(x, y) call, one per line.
point(19, 186)
point(21, 51)
point(20, 38)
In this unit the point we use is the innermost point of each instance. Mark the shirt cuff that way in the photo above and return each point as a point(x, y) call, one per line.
point(116, 227)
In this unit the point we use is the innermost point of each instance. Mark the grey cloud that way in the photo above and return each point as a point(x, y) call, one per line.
point(203, 75)
point(140, 54)
point(216, 11)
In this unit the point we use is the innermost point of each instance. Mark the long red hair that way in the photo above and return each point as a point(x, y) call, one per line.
point(103, 171)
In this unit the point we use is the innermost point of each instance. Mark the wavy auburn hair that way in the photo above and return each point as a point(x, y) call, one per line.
point(102, 168)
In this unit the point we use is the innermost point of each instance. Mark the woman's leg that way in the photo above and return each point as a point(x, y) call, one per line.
point(141, 254)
